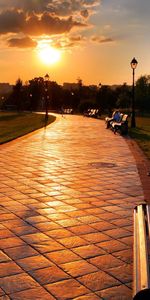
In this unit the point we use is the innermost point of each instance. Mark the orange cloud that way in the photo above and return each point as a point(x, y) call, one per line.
point(25, 42)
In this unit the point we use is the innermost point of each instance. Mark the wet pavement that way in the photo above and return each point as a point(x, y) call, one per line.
point(66, 209)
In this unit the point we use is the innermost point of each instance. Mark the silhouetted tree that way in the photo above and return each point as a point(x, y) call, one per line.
point(106, 98)
point(123, 93)
point(142, 93)
point(36, 92)
point(16, 96)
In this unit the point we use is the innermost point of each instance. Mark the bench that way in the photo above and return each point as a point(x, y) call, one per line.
point(141, 279)
point(92, 112)
point(121, 126)
point(67, 110)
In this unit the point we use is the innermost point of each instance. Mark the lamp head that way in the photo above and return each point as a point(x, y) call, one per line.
point(46, 77)
point(133, 63)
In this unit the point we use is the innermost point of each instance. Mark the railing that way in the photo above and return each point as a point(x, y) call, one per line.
point(141, 280)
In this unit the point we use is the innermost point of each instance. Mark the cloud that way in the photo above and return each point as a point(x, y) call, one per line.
point(69, 42)
point(17, 22)
point(102, 39)
point(85, 13)
point(25, 42)
point(34, 18)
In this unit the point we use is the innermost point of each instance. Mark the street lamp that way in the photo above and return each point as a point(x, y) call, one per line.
point(133, 66)
point(46, 79)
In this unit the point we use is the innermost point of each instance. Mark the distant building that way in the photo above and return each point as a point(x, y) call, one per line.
point(70, 86)
point(5, 88)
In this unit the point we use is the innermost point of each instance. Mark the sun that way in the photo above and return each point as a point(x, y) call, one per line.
point(48, 55)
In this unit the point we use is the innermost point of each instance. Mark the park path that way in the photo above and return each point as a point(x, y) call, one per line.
point(66, 206)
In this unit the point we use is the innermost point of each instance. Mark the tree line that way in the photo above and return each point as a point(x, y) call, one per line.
point(36, 94)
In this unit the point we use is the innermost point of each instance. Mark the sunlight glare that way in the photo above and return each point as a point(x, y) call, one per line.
point(48, 54)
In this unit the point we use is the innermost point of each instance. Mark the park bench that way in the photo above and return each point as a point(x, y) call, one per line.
point(92, 112)
point(67, 110)
point(121, 126)
point(141, 279)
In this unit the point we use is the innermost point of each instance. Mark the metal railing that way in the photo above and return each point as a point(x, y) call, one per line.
point(141, 280)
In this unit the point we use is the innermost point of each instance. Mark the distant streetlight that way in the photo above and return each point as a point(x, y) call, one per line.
point(46, 80)
point(30, 102)
point(133, 66)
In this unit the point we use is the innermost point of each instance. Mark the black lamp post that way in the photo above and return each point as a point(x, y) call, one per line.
point(133, 66)
point(46, 79)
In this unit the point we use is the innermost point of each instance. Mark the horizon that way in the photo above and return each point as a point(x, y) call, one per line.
point(94, 40)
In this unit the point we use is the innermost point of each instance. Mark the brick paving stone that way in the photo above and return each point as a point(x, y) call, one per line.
point(88, 251)
point(102, 225)
point(127, 240)
point(30, 294)
point(4, 257)
point(23, 230)
point(90, 296)
point(88, 219)
point(33, 262)
point(67, 289)
point(45, 226)
point(62, 256)
point(11, 242)
point(125, 255)
point(1, 292)
point(117, 233)
point(19, 282)
point(21, 252)
point(98, 281)
point(78, 268)
point(9, 268)
point(34, 237)
point(68, 222)
point(112, 246)
point(59, 233)
point(82, 229)
point(72, 242)
point(47, 246)
point(116, 293)
point(122, 222)
point(105, 262)
point(49, 275)
point(122, 273)
point(96, 237)
point(5, 234)
point(4, 297)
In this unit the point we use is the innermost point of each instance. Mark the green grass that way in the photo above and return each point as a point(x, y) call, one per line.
point(142, 134)
point(13, 125)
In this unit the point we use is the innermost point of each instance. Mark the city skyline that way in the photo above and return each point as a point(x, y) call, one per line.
point(91, 39)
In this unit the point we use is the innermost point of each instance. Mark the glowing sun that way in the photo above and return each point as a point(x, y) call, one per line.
point(49, 55)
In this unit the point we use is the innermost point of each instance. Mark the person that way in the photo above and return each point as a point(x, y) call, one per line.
point(116, 117)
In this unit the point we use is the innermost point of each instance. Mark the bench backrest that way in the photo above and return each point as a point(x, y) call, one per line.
point(124, 118)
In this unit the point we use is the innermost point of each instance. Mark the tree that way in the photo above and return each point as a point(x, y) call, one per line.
point(123, 96)
point(142, 93)
point(35, 92)
point(106, 98)
point(17, 94)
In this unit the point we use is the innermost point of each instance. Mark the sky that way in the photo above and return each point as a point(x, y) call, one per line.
point(94, 40)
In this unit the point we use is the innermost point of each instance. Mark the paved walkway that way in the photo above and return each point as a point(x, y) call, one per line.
point(67, 199)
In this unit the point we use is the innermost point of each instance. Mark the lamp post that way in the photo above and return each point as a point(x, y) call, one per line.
point(46, 79)
point(133, 66)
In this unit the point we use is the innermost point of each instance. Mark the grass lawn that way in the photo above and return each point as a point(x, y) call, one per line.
point(142, 134)
point(13, 125)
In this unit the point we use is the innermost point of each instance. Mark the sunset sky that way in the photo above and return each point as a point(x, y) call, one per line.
point(91, 39)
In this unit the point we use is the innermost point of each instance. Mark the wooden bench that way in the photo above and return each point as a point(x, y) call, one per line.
point(141, 272)
point(121, 126)
point(67, 110)
point(92, 112)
